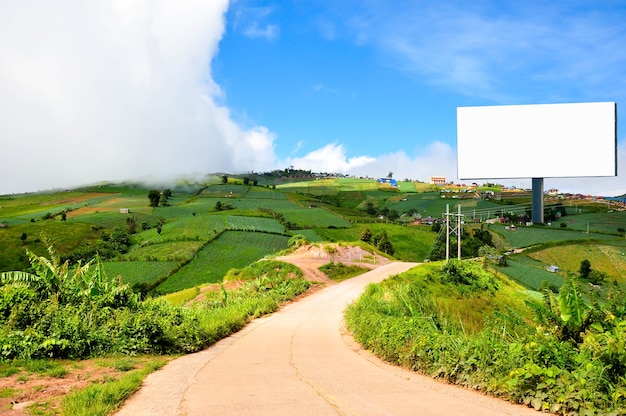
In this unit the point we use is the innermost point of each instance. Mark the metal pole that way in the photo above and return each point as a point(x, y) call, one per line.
point(447, 232)
point(458, 234)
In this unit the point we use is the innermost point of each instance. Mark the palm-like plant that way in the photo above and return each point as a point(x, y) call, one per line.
point(567, 315)
point(51, 278)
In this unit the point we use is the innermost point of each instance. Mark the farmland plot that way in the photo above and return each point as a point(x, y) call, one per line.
point(239, 223)
point(198, 228)
point(528, 236)
point(314, 218)
point(253, 204)
point(607, 222)
point(233, 249)
point(174, 251)
point(133, 272)
point(530, 273)
point(264, 193)
point(610, 259)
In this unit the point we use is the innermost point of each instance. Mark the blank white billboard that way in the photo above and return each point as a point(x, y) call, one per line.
point(537, 141)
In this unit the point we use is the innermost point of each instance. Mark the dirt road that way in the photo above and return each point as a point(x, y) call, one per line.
point(299, 361)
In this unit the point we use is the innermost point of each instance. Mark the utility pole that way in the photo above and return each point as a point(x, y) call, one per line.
point(457, 229)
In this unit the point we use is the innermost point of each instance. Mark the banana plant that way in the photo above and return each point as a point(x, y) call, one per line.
point(52, 278)
point(565, 315)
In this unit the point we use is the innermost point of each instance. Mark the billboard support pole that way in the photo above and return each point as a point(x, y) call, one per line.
point(537, 200)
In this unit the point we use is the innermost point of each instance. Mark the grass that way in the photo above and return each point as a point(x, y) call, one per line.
point(610, 259)
point(104, 398)
point(529, 236)
point(182, 296)
point(133, 272)
point(340, 271)
point(177, 251)
point(233, 249)
point(314, 218)
point(530, 273)
point(68, 237)
point(410, 243)
point(240, 223)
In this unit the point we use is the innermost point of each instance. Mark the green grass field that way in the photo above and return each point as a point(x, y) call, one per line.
point(530, 273)
point(67, 236)
point(314, 218)
point(410, 243)
point(241, 223)
point(233, 249)
point(133, 272)
point(177, 251)
point(528, 236)
point(607, 258)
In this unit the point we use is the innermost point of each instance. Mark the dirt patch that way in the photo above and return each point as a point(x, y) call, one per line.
point(310, 257)
point(32, 392)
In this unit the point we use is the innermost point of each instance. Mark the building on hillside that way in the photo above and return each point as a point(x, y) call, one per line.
point(438, 180)
point(389, 181)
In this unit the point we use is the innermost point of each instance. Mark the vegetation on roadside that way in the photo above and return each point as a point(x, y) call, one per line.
point(61, 311)
point(339, 271)
point(559, 353)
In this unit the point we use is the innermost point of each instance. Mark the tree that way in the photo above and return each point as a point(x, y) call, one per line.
point(225, 179)
point(24, 237)
point(246, 180)
point(393, 215)
point(154, 196)
point(218, 206)
point(585, 269)
point(366, 235)
point(132, 224)
point(381, 241)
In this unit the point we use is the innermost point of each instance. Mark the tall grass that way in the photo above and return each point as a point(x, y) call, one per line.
point(103, 398)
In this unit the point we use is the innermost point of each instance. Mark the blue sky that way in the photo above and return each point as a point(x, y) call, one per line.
point(376, 78)
point(139, 89)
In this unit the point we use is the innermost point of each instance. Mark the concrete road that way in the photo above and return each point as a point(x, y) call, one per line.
point(300, 361)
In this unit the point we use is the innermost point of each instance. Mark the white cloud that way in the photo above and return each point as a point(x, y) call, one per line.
point(330, 158)
point(437, 159)
point(269, 32)
point(114, 90)
point(250, 21)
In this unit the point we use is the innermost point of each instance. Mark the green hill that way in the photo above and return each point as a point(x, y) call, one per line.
point(168, 246)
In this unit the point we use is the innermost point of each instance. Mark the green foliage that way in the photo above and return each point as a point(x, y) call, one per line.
point(572, 360)
point(366, 235)
point(233, 249)
point(340, 271)
point(381, 242)
point(62, 314)
point(297, 241)
point(155, 197)
point(266, 268)
point(567, 316)
point(585, 269)
point(467, 276)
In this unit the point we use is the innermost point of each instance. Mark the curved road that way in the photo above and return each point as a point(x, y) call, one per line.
point(299, 361)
